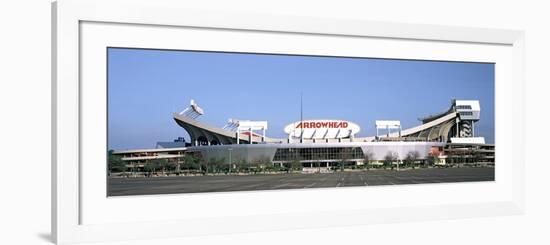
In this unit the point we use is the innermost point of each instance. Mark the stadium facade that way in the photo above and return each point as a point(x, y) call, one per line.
point(445, 136)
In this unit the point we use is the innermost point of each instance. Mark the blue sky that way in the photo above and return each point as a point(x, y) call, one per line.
point(147, 86)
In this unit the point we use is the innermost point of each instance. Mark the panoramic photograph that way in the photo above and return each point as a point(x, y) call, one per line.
point(183, 121)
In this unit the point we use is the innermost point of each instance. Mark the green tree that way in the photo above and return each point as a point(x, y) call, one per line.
point(296, 162)
point(151, 167)
point(159, 164)
point(217, 164)
point(368, 156)
point(222, 164)
point(264, 163)
point(241, 165)
point(411, 158)
point(116, 164)
point(390, 158)
point(190, 162)
point(268, 164)
point(213, 164)
point(431, 160)
point(177, 164)
point(204, 165)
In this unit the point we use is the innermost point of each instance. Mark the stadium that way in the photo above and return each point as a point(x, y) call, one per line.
point(443, 138)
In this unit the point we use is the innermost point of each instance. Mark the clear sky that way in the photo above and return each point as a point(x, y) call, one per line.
point(147, 86)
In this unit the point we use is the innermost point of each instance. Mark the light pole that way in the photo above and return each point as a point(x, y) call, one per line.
point(229, 150)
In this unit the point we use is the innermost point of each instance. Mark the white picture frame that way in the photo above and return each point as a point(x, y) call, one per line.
point(70, 198)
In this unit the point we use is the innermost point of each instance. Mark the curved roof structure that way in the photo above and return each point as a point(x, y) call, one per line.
point(457, 121)
point(204, 134)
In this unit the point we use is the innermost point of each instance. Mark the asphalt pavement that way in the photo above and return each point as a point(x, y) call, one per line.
point(224, 183)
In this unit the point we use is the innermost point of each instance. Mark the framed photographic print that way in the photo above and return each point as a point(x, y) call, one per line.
point(311, 152)
point(237, 122)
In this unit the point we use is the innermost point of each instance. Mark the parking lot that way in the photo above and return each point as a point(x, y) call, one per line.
point(223, 183)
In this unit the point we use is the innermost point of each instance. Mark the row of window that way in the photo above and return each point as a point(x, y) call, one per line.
point(325, 153)
point(463, 107)
point(466, 113)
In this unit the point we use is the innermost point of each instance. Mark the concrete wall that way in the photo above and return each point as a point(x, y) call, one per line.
point(251, 153)
point(380, 149)
point(243, 152)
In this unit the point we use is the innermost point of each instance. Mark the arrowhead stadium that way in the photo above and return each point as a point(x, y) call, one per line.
point(446, 138)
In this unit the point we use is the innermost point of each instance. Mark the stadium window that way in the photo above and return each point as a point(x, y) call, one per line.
point(464, 107)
